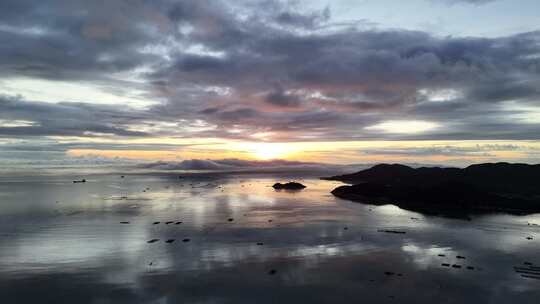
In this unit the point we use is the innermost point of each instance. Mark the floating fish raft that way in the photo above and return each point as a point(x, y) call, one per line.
point(529, 271)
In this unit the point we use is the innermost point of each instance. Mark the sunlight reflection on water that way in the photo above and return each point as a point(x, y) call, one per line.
point(70, 239)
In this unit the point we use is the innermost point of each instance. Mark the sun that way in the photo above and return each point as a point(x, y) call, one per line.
point(267, 151)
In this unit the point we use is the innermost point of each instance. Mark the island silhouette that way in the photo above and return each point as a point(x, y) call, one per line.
point(289, 186)
point(481, 188)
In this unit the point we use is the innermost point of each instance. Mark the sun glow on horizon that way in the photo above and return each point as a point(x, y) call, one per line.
point(268, 151)
point(446, 152)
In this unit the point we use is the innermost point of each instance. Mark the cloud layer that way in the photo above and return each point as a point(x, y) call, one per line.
point(258, 70)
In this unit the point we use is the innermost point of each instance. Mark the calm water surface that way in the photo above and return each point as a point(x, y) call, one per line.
point(65, 243)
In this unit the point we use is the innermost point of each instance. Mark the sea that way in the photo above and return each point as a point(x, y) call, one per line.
point(231, 238)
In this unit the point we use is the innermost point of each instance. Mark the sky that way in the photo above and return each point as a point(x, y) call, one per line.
point(448, 82)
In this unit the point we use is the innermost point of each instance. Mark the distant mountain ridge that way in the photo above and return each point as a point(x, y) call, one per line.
point(498, 177)
point(477, 188)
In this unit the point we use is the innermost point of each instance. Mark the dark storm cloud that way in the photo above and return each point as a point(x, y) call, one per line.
point(263, 66)
point(73, 39)
point(309, 21)
point(65, 119)
point(282, 99)
point(372, 71)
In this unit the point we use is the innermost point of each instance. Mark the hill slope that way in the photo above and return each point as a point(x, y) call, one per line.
point(478, 188)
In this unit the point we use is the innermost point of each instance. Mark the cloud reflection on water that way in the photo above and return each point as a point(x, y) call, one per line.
point(75, 247)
